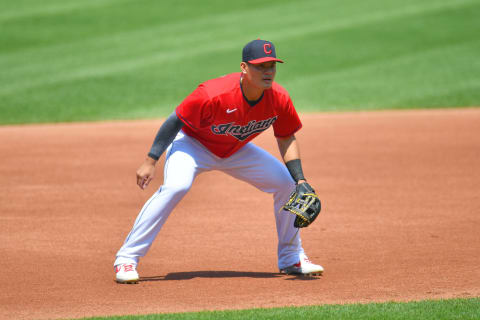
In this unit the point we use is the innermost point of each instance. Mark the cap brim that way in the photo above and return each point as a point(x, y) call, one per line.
point(264, 59)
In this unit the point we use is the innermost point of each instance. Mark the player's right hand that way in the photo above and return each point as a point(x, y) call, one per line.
point(146, 173)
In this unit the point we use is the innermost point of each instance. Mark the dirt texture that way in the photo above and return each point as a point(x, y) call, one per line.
point(401, 219)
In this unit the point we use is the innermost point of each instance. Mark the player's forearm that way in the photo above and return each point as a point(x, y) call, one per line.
point(165, 136)
point(290, 153)
point(288, 148)
point(296, 171)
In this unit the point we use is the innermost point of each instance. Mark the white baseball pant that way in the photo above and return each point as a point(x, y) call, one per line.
point(185, 159)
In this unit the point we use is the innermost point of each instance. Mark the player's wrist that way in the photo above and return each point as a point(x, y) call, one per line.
point(295, 169)
point(150, 160)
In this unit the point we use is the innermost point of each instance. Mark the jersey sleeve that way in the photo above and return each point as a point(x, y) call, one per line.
point(288, 121)
point(195, 110)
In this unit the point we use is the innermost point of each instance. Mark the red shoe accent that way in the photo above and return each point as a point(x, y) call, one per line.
point(298, 265)
point(128, 267)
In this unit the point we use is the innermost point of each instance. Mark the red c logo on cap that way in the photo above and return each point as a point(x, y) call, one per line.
point(267, 48)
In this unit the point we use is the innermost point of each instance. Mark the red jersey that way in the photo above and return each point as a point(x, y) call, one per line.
point(220, 118)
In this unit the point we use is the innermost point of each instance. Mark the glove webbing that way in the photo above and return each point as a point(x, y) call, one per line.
point(304, 204)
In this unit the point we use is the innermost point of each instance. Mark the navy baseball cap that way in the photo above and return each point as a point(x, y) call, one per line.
point(259, 51)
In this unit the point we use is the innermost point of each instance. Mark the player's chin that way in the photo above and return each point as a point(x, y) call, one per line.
point(267, 83)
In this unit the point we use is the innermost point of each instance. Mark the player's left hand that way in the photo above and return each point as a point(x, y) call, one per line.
point(305, 204)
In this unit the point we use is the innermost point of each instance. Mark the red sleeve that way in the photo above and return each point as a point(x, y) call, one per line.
point(288, 121)
point(195, 110)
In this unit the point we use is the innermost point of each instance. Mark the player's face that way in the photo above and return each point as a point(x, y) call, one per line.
point(261, 75)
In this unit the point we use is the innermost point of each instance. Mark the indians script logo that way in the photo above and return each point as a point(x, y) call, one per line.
point(243, 132)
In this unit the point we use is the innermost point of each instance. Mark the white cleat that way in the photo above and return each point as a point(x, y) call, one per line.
point(304, 267)
point(126, 273)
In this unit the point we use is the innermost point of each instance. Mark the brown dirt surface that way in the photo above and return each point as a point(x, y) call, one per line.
point(401, 221)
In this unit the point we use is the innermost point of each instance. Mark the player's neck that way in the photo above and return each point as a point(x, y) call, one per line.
point(250, 92)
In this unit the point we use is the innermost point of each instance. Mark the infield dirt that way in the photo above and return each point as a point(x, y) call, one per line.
point(401, 219)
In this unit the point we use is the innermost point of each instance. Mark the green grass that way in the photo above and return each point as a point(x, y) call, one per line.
point(70, 60)
point(463, 309)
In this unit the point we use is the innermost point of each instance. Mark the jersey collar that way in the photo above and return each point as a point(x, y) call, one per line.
point(250, 102)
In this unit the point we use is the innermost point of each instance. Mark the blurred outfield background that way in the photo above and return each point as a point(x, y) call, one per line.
point(82, 60)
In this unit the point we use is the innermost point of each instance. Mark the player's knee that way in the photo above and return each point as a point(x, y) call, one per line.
point(286, 181)
point(282, 179)
point(289, 186)
point(285, 187)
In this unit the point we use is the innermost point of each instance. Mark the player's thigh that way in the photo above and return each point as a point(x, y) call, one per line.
point(259, 168)
point(181, 165)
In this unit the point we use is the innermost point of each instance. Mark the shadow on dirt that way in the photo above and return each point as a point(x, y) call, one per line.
point(224, 274)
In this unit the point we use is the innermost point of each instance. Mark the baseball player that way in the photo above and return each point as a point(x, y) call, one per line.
point(211, 130)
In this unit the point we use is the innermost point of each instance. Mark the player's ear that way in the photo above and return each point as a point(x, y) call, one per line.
point(243, 67)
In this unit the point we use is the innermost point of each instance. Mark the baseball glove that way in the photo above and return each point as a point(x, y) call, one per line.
point(305, 204)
